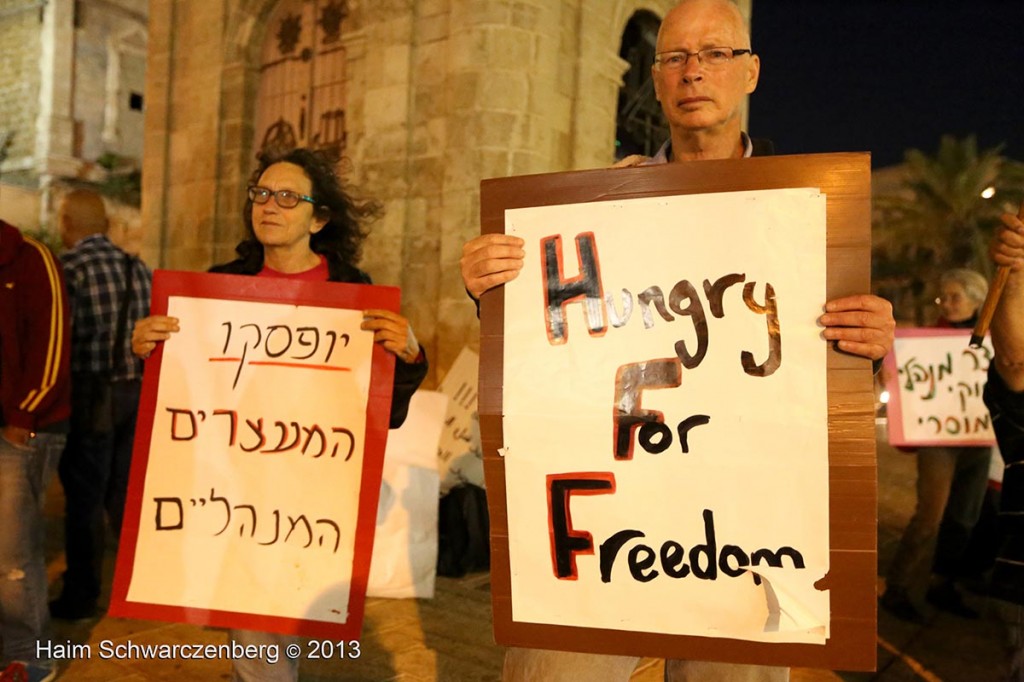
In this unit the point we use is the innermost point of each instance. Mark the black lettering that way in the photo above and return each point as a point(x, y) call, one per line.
point(695, 311)
point(672, 560)
point(567, 542)
point(771, 309)
point(585, 288)
point(649, 431)
point(687, 424)
point(716, 291)
point(610, 549)
point(742, 561)
point(774, 559)
point(709, 550)
point(630, 383)
point(638, 564)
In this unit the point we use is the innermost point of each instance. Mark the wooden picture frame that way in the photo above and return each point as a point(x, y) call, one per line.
point(845, 180)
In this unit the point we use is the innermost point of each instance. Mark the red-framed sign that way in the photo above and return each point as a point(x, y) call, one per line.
point(258, 453)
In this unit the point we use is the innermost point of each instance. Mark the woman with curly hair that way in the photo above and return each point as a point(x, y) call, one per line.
point(301, 224)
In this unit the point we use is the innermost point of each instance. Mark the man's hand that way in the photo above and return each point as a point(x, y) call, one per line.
point(1007, 246)
point(1007, 249)
point(392, 331)
point(861, 325)
point(151, 330)
point(489, 261)
point(16, 436)
point(631, 161)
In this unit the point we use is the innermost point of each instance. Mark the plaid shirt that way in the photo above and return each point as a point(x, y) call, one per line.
point(95, 274)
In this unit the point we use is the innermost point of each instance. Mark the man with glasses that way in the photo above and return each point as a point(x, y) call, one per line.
point(704, 67)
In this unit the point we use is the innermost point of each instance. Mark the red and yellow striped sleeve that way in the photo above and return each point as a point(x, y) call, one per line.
point(45, 344)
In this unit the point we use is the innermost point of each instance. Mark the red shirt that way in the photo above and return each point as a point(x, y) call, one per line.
point(319, 273)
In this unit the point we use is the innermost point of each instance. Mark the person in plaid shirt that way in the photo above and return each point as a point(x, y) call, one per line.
point(106, 379)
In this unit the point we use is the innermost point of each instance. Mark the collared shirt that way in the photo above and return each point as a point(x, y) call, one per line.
point(665, 152)
point(96, 277)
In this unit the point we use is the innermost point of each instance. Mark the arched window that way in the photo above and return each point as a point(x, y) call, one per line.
point(640, 128)
point(301, 100)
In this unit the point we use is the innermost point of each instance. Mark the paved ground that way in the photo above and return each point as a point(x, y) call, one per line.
point(449, 637)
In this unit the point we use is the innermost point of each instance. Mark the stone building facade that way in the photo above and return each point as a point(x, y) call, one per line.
point(438, 95)
point(72, 82)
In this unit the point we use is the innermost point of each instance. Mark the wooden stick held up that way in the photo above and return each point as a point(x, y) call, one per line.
point(992, 300)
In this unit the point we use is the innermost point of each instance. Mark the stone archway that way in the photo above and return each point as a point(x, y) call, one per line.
point(640, 128)
point(301, 97)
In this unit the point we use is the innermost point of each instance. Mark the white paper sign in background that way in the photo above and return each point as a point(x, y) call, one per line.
point(684, 537)
point(252, 485)
point(459, 456)
point(935, 382)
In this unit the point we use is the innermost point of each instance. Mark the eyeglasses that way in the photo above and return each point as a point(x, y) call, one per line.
point(709, 56)
point(284, 198)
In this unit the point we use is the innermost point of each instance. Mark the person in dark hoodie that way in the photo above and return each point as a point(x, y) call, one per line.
point(301, 224)
point(35, 403)
point(1004, 396)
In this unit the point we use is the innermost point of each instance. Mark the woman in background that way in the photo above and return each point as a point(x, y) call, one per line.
point(951, 483)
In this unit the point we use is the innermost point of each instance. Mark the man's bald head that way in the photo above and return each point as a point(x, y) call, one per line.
point(81, 214)
point(729, 11)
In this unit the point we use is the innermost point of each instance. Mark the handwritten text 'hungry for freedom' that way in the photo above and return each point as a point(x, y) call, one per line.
point(632, 423)
point(707, 561)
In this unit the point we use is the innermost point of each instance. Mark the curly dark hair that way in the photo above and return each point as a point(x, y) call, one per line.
point(341, 239)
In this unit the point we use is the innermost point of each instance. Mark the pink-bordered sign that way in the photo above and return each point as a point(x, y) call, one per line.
point(935, 383)
point(257, 461)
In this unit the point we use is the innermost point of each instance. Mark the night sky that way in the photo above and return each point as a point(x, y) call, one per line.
point(887, 75)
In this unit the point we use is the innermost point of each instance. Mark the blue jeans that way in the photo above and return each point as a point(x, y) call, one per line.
point(543, 665)
point(25, 474)
point(261, 670)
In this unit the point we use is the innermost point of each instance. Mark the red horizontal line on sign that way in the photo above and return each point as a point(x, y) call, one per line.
point(299, 364)
point(285, 364)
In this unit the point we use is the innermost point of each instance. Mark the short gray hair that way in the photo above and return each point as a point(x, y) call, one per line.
point(975, 285)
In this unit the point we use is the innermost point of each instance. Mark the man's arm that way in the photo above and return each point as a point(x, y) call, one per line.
point(45, 343)
point(1008, 321)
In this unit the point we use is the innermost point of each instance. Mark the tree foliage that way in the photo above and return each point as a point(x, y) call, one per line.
point(939, 219)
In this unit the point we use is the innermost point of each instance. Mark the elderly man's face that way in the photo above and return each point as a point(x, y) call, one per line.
point(698, 96)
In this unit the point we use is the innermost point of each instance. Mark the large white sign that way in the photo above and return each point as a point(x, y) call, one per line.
point(258, 458)
point(665, 426)
point(935, 382)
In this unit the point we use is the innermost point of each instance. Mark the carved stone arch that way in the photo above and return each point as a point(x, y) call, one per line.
point(640, 126)
point(249, 22)
point(625, 9)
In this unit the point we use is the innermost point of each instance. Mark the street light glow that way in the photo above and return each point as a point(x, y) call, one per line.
point(988, 192)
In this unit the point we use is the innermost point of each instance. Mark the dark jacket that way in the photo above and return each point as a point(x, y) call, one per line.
point(1007, 410)
point(35, 343)
point(408, 376)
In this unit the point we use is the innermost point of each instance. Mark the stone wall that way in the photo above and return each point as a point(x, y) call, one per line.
point(440, 95)
point(19, 80)
point(67, 69)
